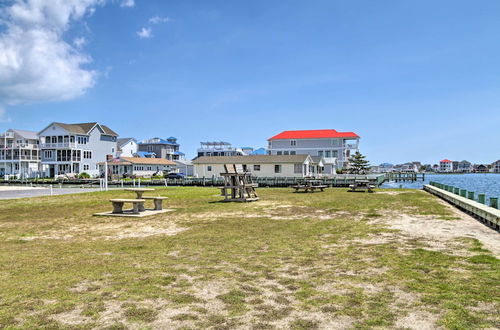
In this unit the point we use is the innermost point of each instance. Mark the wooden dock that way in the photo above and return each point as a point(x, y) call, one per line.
point(404, 176)
point(459, 198)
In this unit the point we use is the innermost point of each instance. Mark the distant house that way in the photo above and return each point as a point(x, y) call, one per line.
point(495, 167)
point(220, 148)
point(138, 167)
point(19, 153)
point(410, 167)
point(260, 165)
point(184, 166)
point(464, 166)
point(386, 167)
point(260, 151)
point(445, 165)
point(335, 147)
point(75, 148)
point(162, 148)
point(480, 168)
point(126, 147)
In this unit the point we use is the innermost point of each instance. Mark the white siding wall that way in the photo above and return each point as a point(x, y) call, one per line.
point(128, 150)
point(266, 170)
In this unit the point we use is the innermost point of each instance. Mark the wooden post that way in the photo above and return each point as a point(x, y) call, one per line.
point(494, 202)
point(471, 195)
point(481, 198)
point(463, 192)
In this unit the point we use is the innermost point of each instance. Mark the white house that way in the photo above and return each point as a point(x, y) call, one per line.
point(126, 147)
point(495, 167)
point(259, 165)
point(137, 166)
point(445, 165)
point(464, 166)
point(335, 147)
point(75, 148)
point(219, 148)
point(19, 153)
point(184, 166)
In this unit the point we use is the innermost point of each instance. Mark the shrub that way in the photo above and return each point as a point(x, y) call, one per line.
point(84, 175)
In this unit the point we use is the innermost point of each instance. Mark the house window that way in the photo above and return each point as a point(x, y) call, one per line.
point(256, 167)
point(292, 152)
point(277, 168)
point(209, 168)
point(286, 153)
point(48, 154)
point(150, 148)
point(87, 154)
point(320, 153)
point(293, 143)
point(86, 167)
point(335, 153)
point(279, 153)
point(327, 154)
point(244, 167)
point(297, 168)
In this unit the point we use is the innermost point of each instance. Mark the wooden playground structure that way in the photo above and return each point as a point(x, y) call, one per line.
point(238, 185)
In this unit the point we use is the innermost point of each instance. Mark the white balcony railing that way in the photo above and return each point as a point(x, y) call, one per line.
point(350, 146)
point(23, 157)
point(58, 145)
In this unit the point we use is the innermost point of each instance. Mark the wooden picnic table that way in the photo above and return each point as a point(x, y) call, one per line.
point(139, 191)
point(362, 185)
point(310, 185)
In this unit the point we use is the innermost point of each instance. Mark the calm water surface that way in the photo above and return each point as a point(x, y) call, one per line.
point(480, 183)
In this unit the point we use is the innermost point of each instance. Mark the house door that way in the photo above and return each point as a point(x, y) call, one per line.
point(51, 171)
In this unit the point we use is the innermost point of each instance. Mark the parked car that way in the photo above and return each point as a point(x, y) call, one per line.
point(175, 176)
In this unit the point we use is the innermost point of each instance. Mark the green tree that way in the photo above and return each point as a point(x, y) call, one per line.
point(358, 164)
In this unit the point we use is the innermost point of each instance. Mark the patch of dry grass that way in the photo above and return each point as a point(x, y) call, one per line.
point(299, 261)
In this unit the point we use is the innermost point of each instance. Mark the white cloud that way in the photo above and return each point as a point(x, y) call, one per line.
point(158, 20)
point(144, 33)
point(36, 63)
point(79, 42)
point(127, 3)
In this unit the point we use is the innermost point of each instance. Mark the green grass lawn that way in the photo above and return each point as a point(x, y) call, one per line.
point(297, 261)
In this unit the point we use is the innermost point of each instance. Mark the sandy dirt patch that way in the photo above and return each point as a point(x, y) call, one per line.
point(443, 233)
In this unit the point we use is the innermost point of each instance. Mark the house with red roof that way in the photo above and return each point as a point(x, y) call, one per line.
point(332, 146)
point(445, 165)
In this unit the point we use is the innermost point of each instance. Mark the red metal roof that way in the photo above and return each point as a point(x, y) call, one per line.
point(313, 134)
point(445, 161)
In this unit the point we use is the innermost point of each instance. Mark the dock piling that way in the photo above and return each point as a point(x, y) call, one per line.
point(494, 202)
point(481, 198)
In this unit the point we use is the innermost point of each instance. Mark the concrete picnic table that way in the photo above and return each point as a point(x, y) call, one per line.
point(139, 191)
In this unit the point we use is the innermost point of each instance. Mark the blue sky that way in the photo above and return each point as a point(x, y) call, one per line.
point(417, 80)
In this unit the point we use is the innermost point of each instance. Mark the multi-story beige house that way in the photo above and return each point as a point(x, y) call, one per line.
point(334, 147)
point(19, 153)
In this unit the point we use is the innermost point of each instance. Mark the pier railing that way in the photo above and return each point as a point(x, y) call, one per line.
point(467, 201)
point(336, 181)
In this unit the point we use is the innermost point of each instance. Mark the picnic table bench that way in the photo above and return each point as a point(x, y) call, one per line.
point(138, 204)
point(361, 185)
point(310, 185)
point(158, 202)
